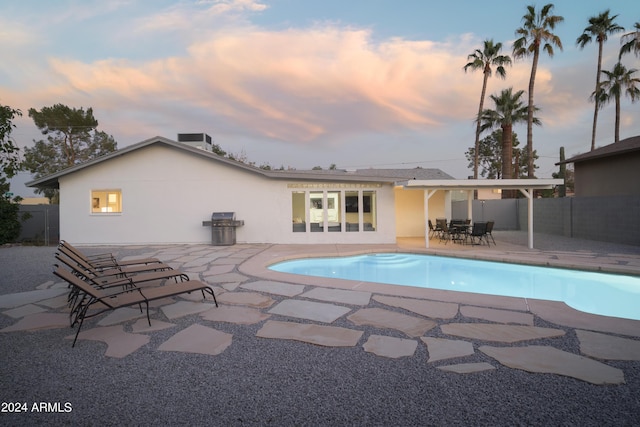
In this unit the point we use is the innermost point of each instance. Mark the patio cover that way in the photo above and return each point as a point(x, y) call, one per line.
point(525, 186)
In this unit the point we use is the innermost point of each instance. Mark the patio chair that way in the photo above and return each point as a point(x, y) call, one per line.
point(433, 231)
point(106, 259)
point(489, 232)
point(103, 302)
point(446, 234)
point(478, 232)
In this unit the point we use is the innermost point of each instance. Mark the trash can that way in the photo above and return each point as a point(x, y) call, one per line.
point(223, 228)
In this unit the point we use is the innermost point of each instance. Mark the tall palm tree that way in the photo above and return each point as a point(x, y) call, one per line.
point(536, 32)
point(484, 60)
point(509, 110)
point(631, 42)
point(620, 81)
point(599, 28)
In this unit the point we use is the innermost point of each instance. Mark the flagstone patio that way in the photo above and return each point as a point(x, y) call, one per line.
point(455, 329)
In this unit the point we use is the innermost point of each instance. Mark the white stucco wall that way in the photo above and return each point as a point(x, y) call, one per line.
point(168, 192)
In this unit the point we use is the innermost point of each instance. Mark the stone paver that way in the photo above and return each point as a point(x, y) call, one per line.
point(29, 297)
point(499, 316)
point(544, 359)
point(235, 314)
point(328, 336)
point(119, 343)
point(252, 299)
point(124, 314)
point(24, 310)
point(317, 311)
point(39, 321)
point(339, 295)
point(441, 349)
point(57, 302)
point(198, 339)
point(185, 308)
point(468, 368)
point(433, 309)
point(218, 269)
point(499, 333)
point(142, 325)
point(607, 347)
point(378, 317)
point(391, 347)
point(227, 277)
point(276, 288)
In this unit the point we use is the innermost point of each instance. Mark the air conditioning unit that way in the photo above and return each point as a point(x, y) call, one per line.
point(198, 140)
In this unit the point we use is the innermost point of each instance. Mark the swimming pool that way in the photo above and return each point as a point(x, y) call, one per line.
point(599, 293)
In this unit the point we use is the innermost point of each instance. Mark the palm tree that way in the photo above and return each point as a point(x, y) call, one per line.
point(620, 81)
point(536, 32)
point(631, 42)
point(599, 28)
point(510, 110)
point(483, 60)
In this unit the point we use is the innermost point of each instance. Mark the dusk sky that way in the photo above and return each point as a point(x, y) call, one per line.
point(303, 83)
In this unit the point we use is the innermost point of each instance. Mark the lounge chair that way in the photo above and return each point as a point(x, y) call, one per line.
point(111, 270)
point(125, 279)
point(106, 259)
point(106, 302)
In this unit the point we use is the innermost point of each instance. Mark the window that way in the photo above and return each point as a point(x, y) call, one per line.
point(106, 201)
point(298, 212)
point(334, 211)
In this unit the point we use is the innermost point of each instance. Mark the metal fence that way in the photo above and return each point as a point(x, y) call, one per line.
point(43, 225)
point(613, 219)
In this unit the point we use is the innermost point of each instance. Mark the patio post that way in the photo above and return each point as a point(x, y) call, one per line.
point(427, 195)
point(528, 193)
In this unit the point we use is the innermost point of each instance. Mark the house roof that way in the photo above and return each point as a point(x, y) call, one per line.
point(616, 149)
point(360, 175)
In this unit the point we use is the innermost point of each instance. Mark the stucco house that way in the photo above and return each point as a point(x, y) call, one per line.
point(160, 191)
point(611, 170)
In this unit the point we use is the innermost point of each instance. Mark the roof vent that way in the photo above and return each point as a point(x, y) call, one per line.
point(198, 140)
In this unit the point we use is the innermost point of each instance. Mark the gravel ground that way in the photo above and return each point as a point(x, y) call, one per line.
point(275, 382)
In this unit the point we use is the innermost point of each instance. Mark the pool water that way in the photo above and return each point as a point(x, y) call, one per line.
point(598, 293)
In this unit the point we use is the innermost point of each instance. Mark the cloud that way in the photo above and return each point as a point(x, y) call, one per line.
point(294, 85)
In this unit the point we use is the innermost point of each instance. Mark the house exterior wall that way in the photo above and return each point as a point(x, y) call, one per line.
point(167, 193)
point(608, 176)
point(409, 211)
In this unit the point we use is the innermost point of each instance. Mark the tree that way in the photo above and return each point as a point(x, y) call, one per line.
point(620, 81)
point(536, 32)
point(9, 165)
point(72, 138)
point(490, 155)
point(9, 151)
point(484, 60)
point(509, 111)
point(599, 29)
point(631, 42)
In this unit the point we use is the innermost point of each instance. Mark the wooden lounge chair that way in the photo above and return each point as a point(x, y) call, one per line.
point(106, 259)
point(103, 302)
